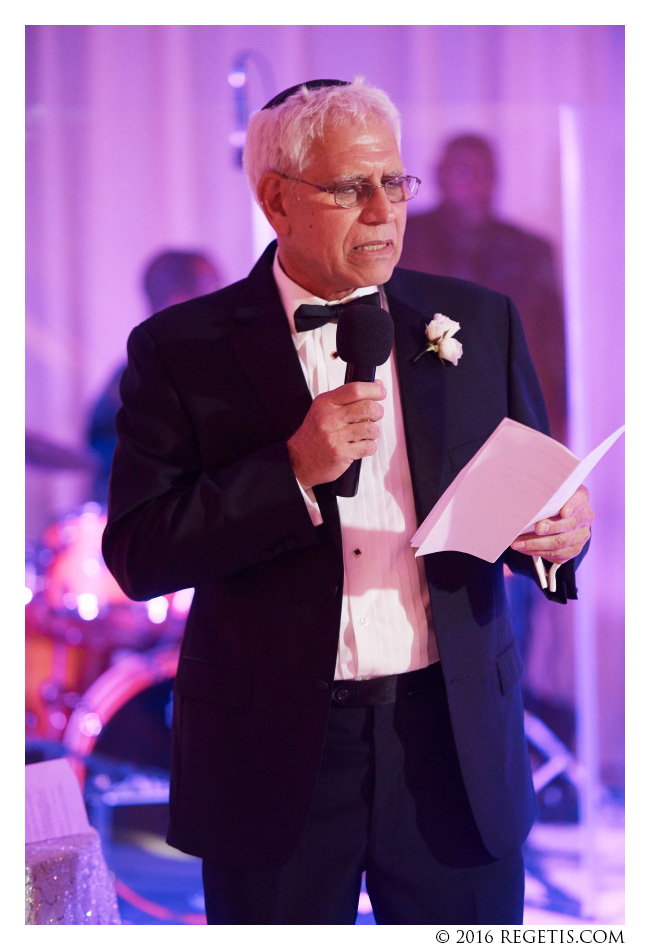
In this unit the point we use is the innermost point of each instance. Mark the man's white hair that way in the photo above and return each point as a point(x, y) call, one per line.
point(280, 139)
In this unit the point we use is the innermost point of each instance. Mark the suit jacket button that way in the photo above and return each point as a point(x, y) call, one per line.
point(322, 684)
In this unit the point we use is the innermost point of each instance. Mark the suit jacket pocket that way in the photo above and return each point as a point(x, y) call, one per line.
point(510, 667)
point(214, 682)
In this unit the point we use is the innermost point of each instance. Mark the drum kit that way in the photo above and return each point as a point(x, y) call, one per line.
point(99, 672)
point(88, 648)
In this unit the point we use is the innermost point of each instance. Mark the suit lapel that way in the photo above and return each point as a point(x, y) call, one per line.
point(422, 391)
point(262, 342)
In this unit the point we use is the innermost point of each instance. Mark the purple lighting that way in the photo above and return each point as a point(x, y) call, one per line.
point(134, 137)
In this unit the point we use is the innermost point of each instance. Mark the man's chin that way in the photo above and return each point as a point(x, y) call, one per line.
point(376, 273)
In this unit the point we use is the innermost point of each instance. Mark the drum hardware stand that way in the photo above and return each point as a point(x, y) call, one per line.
point(559, 760)
point(103, 793)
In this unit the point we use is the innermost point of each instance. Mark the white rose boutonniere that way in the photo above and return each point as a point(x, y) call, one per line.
point(440, 334)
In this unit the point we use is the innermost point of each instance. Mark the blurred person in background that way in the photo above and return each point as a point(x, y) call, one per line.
point(463, 237)
point(172, 276)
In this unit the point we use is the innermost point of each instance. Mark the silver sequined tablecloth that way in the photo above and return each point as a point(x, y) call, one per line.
point(67, 882)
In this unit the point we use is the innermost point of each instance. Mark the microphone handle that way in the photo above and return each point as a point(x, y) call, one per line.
point(347, 484)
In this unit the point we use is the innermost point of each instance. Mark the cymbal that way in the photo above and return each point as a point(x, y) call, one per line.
point(41, 452)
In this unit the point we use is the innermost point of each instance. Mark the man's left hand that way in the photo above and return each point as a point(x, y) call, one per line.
point(562, 537)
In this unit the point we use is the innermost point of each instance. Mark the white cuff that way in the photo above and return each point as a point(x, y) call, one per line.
point(312, 504)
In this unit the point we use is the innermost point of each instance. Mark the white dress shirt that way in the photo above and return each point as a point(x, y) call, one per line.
point(386, 624)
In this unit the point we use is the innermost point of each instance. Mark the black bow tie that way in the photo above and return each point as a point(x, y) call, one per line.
point(309, 316)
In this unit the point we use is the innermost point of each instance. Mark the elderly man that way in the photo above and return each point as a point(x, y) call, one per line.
point(340, 706)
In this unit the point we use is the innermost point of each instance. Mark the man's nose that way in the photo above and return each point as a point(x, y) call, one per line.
point(379, 208)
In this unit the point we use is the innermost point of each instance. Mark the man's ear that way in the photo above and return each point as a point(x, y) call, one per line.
point(271, 193)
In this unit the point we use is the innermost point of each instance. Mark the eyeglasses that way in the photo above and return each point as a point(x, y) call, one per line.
point(355, 194)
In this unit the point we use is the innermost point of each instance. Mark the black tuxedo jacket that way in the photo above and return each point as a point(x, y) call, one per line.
point(203, 495)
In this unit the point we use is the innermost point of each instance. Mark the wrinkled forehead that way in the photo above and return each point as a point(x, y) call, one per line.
point(355, 146)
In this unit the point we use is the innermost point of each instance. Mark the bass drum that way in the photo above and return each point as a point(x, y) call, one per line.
point(126, 713)
point(79, 623)
point(61, 663)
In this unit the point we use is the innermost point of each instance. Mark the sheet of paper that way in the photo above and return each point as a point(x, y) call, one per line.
point(54, 805)
point(516, 478)
point(575, 480)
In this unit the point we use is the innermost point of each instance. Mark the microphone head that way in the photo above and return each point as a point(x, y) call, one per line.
point(364, 334)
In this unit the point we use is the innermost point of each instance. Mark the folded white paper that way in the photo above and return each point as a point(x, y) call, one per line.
point(54, 806)
point(516, 478)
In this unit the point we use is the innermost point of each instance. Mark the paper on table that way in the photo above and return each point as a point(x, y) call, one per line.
point(516, 478)
point(54, 805)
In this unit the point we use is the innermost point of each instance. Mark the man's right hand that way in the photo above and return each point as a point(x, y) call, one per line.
point(341, 426)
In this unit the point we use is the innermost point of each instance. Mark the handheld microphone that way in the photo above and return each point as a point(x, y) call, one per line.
point(364, 339)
